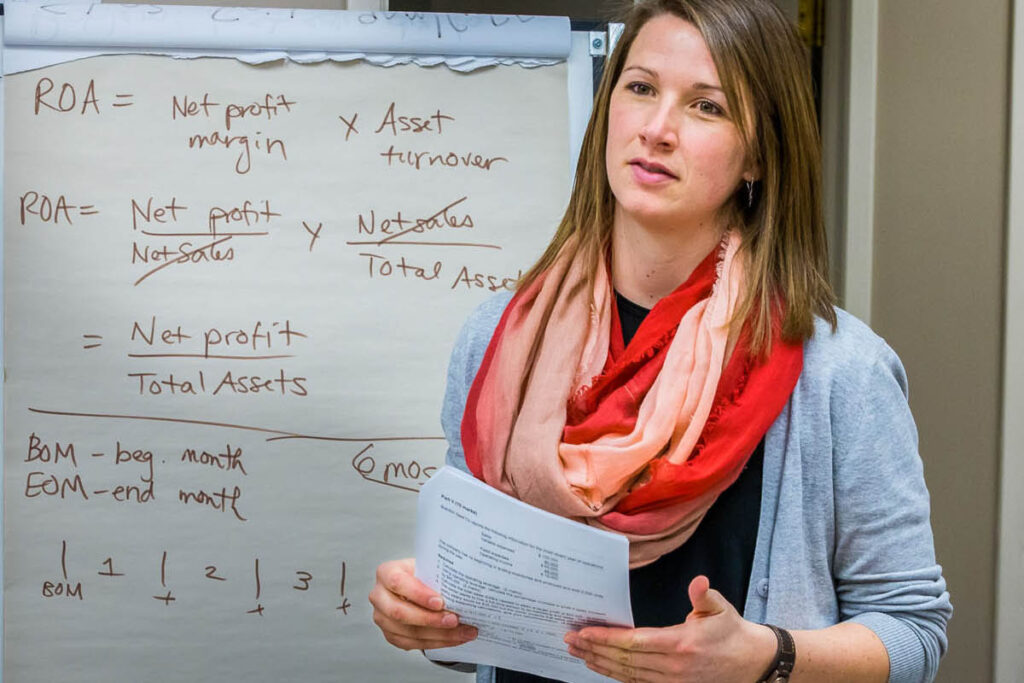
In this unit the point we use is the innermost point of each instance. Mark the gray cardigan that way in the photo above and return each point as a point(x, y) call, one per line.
point(844, 532)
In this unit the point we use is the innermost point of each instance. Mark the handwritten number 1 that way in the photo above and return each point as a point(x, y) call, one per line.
point(110, 568)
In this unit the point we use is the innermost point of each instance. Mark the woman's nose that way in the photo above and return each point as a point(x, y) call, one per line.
point(659, 130)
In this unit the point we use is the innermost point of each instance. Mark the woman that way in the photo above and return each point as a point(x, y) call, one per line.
point(742, 433)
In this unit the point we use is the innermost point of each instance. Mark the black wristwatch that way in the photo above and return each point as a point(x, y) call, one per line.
point(785, 657)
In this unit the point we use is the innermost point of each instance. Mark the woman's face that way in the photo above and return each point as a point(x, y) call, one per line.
point(674, 156)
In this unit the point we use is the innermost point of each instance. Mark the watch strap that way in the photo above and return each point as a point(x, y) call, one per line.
point(785, 657)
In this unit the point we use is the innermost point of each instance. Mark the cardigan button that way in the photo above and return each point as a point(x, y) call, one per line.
point(762, 588)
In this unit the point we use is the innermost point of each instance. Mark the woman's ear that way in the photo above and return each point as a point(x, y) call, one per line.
point(751, 167)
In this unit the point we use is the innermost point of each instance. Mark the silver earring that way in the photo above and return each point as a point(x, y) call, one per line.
point(750, 194)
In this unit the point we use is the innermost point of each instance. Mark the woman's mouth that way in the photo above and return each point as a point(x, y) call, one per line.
point(650, 172)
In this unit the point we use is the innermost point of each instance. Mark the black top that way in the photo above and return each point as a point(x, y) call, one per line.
point(722, 547)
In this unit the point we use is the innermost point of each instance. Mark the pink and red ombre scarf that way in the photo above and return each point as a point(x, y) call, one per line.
point(640, 439)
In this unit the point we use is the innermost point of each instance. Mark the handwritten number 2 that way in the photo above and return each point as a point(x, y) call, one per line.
point(211, 573)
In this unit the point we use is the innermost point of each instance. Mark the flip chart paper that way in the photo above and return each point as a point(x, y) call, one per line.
point(230, 295)
point(40, 33)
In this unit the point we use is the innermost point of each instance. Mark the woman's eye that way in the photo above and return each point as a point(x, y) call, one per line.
point(640, 88)
point(709, 107)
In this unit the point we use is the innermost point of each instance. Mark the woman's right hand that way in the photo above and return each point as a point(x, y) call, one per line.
point(411, 615)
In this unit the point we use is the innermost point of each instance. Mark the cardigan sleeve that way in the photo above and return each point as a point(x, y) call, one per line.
point(884, 563)
point(467, 355)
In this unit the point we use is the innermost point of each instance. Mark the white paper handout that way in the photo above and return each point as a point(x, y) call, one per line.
point(524, 577)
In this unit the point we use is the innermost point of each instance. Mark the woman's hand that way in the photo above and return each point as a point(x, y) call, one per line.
point(411, 615)
point(714, 644)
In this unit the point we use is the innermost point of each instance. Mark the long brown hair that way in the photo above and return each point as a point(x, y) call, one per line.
point(765, 74)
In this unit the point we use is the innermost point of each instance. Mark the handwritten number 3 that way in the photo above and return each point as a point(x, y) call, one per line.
point(304, 579)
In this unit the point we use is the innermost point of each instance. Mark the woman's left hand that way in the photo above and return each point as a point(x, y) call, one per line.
point(714, 644)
